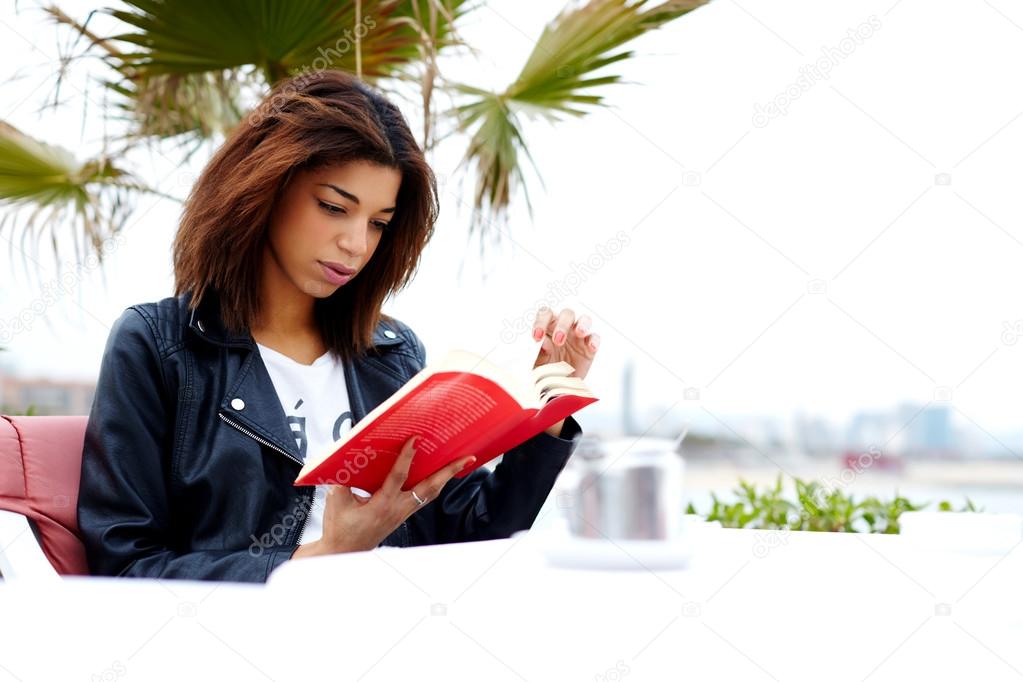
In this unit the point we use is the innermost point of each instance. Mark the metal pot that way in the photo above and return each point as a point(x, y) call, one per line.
point(625, 489)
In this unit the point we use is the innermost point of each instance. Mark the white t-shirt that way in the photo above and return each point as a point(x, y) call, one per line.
point(315, 400)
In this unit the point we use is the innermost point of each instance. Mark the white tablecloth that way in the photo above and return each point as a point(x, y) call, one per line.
point(751, 606)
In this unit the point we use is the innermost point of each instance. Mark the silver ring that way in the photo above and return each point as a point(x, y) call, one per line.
point(420, 500)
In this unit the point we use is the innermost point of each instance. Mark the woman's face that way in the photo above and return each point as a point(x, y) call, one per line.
point(331, 219)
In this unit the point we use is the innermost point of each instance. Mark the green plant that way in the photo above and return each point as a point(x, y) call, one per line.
point(54, 187)
point(817, 507)
point(29, 411)
point(945, 505)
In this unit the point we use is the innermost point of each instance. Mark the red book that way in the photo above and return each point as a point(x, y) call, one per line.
point(463, 405)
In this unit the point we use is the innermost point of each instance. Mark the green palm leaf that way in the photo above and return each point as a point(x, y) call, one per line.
point(280, 37)
point(559, 78)
point(200, 105)
point(193, 66)
point(276, 36)
point(45, 188)
point(191, 69)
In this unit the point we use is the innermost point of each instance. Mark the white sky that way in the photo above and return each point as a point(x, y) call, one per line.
point(728, 222)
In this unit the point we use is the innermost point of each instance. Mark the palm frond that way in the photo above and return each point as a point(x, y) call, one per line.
point(202, 105)
point(185, 62)
point(557, 75)
point(276, 36)
point(48, 191)
point(562, 76)
point(434, 22)
point(493, 152)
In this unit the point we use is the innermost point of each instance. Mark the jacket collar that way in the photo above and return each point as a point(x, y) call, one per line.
point(251, 400)
point(206, 323)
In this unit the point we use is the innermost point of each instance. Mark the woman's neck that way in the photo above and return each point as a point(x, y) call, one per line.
point(286, 320)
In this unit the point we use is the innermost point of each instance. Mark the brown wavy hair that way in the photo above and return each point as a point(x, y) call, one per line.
point(304, 123)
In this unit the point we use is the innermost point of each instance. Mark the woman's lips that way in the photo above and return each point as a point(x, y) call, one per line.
point(333, 276)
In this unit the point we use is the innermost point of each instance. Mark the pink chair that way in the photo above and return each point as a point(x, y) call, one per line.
point(40, 466)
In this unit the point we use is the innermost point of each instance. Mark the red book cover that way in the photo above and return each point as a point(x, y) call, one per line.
point(479, 410)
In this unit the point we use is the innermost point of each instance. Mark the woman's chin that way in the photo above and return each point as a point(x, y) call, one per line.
point(319, 289)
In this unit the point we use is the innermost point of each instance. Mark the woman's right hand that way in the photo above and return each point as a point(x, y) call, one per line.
point(353, 523)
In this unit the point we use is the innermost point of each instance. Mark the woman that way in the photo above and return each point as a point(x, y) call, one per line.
point(313, 212)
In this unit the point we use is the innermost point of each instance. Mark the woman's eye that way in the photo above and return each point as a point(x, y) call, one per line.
point(334, 209)
point(330, 208)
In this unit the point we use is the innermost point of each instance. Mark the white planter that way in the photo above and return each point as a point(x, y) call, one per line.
point(975, 532)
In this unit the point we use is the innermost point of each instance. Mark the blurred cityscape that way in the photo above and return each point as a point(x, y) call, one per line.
point(903, 432)
point(44, 396)
point(928, 452)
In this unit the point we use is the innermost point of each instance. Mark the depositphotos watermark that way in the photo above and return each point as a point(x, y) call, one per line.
point(54, 289)
point(273, 538)
point(815, 72)
point(566, 287)
point(1012, 332)
point(114, 671)
point(615, 673)
point(309, 72)
point(766, 540)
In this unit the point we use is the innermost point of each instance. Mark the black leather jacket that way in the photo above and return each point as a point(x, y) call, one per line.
point(181, 479)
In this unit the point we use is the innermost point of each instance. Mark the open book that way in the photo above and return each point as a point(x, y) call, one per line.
point(462, 405)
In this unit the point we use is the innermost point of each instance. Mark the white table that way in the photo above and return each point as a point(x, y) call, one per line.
point(752, 606)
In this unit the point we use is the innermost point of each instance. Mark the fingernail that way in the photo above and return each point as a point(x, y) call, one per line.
point(559, 337)
point(469, 463)
point(537, 334)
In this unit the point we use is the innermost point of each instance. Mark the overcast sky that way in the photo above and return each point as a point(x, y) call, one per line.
point(853, 247)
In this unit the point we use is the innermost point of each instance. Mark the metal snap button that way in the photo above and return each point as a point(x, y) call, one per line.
point(238, 404)
point(389, 334)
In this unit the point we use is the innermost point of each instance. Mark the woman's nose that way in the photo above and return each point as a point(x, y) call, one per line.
point(355, 240)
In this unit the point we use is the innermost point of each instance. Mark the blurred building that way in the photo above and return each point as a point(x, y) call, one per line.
point(910, 429)
point(872, 429)
point(931, 430)
point(628, 398)
point(814, 434)
point(45, 396)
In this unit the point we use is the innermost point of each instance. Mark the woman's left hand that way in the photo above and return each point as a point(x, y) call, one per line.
point(565, 338)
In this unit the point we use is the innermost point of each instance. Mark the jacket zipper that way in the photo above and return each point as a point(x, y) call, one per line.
point(258, 439)
point(305, 517)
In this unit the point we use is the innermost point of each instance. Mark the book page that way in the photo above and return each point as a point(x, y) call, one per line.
point(517, 384)
point(456, 404)
point(448, 411)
